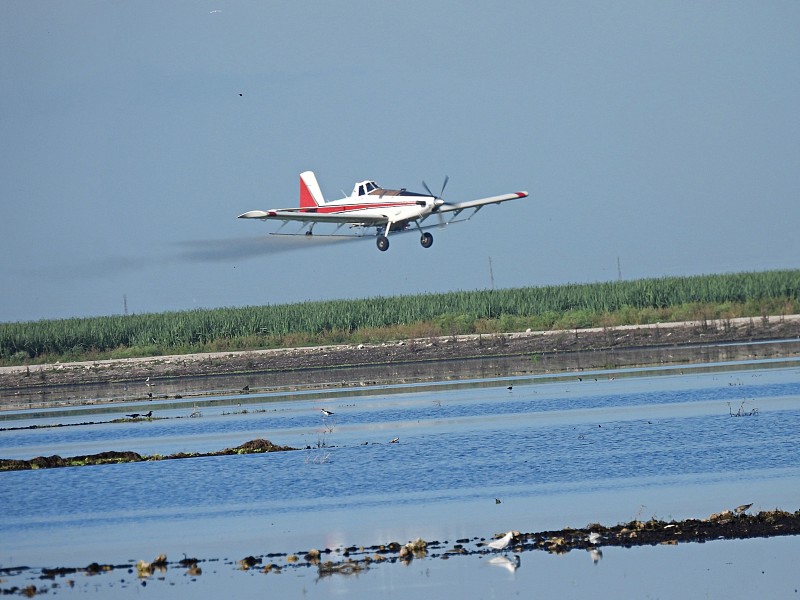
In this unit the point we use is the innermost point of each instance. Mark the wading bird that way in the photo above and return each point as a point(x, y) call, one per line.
point(501, 543)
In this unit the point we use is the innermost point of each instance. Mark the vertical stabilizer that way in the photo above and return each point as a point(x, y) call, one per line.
point(310, 194)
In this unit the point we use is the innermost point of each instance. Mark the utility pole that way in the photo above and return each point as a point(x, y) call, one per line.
point(619, 271)
point(125, 303)
point(491, 273)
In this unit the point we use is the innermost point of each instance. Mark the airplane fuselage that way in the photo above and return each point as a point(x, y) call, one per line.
point(369, 201)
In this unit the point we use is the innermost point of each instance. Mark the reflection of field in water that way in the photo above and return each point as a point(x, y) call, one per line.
point(489, 367)
point(557, 451)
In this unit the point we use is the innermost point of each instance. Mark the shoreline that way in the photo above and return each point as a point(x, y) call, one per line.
point(537, 351)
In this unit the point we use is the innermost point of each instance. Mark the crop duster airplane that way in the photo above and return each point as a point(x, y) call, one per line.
point(372, 207)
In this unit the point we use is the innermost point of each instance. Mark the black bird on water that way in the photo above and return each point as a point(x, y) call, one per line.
point(327, 413)
point(144, 416)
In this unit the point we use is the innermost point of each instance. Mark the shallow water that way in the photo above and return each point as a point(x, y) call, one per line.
point(609, 447)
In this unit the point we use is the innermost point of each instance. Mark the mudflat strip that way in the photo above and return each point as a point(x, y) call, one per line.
point(449, 348)
point(257, 446)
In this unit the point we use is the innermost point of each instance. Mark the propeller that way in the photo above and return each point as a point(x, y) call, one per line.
point(437, 200)
point(444, 185)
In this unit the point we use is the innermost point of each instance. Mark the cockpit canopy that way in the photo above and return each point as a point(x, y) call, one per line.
point(370, 188)
point(365, 187)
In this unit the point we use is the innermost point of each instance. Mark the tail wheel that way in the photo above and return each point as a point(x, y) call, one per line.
point(383, 243)
point(426, 240)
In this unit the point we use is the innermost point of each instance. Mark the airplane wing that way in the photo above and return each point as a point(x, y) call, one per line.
point(459, 206)
point(334, 214)
point(306, 216)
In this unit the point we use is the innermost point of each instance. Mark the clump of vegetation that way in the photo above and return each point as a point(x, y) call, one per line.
point(741, 412)
point(382, 319)
point(256, 446)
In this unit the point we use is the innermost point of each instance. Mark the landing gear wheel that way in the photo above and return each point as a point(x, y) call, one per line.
point(383, 243)
point(426, 240)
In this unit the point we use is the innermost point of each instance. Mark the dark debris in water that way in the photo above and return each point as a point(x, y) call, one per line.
point(725, 525)
point(256, 446)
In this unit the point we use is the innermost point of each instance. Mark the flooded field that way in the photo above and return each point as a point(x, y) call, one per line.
point(451, 462)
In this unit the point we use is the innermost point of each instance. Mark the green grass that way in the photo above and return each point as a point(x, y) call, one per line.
point(400, 317)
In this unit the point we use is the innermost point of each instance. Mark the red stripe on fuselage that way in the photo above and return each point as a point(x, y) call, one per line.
point(344, 208)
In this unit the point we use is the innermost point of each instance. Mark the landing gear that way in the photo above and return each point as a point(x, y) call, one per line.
point(426, 239)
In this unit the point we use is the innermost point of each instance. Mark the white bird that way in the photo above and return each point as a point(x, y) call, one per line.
point(594, 537)
point(501, 543)
point(327, 413)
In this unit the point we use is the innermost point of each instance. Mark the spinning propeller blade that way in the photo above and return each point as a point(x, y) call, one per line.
point(430, 193)
point(437, 200)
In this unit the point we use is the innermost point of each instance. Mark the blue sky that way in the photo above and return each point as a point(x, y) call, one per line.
point(663, 135)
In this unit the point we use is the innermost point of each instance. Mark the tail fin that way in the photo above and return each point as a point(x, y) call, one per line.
point(310, 194)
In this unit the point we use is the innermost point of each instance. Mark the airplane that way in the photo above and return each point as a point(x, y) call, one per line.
point(371, 206)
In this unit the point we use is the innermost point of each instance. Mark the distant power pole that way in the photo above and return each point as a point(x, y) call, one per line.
point(125, 303)
point(491, 273)
point(619, 271)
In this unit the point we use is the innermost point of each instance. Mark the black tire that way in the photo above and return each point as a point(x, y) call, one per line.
point(383, 243)
point(426, 240)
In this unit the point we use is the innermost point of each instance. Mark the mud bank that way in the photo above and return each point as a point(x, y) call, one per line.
point(114, 457)
point(524, 352)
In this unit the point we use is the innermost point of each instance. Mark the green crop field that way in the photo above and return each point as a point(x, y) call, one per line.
point(383, 318)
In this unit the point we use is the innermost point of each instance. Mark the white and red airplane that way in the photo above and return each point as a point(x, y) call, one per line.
point(371, 206)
